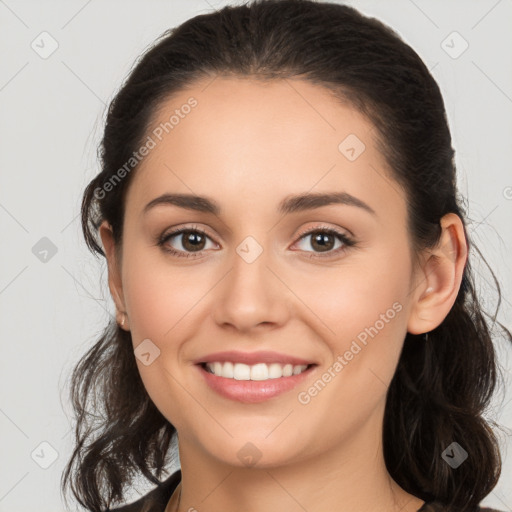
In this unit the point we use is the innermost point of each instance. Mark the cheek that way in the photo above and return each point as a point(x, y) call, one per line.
point(354, 296)
point(158, 294)
point(360, 315)
point(160, 300)
point(360, 311)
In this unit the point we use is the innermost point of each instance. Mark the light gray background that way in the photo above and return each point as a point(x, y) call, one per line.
point(51, 122)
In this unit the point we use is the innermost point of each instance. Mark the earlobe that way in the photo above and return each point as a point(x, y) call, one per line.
point(440, 277)
point(114, 274)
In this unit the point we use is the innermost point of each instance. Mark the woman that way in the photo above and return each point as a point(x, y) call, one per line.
point(288, 258)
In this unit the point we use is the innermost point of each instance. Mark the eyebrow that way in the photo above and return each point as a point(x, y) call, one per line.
point(290, 204)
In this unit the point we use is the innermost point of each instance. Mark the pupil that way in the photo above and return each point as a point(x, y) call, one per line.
point(320, 239)
point(194, 239)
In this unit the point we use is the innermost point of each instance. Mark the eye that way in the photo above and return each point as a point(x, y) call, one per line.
point(324, 240)
point(192, 239)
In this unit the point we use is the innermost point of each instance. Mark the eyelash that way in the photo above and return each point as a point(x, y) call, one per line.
point(347, 242)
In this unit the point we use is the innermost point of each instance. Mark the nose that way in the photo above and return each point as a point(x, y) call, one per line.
point(252, 295)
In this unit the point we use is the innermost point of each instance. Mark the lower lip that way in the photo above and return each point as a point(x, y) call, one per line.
point(253, 391)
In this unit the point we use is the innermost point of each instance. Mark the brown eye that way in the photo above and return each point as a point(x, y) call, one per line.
point(192, 243)
point(324, 241)
point(193, 240)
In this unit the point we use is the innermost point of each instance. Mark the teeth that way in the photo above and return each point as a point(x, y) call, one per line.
point(259, 371)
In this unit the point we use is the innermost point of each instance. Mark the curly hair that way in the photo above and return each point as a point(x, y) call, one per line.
point(442, 387)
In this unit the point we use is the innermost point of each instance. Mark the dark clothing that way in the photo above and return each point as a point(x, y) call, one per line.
point(157, 499)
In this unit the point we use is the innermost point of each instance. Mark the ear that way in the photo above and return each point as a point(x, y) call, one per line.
point(440, 277)
point(114, 273)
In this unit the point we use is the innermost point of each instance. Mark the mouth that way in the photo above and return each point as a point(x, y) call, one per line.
point(253, 383)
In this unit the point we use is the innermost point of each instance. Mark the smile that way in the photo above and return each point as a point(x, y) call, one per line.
point(253, 383)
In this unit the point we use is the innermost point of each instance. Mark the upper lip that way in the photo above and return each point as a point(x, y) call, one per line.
point(252, 358)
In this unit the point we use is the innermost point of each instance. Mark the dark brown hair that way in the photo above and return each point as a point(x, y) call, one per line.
point(442, 387)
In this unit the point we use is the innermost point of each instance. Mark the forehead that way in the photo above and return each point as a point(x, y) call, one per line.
point(284, 116)
point(252, 140)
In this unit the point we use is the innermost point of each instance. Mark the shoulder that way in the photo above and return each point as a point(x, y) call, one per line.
point(155, 500)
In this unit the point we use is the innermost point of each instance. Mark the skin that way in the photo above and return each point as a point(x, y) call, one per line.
point(247, 145)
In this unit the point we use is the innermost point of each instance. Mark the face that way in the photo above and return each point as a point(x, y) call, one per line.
point(330, 283)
